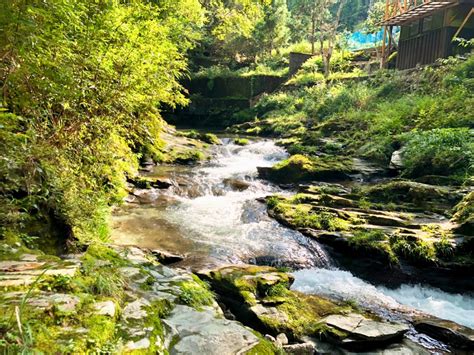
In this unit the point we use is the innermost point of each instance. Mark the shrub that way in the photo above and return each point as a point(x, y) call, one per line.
point(417, 251)
point(439, 151)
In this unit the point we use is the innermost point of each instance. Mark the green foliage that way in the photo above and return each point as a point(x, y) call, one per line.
point(271, 32)
point(81, 83)
point(427, 111)
point(416, 250)
point(374, 241)
point(444, 248)
point(439, 152)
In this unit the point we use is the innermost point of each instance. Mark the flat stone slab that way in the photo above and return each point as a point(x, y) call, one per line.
point(15, 266)
point(360, 327)
point(44, 300)
point(135, 309)
point(203, 333)
point(106, 308)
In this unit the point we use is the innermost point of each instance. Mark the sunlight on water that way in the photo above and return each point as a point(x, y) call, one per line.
point(344, 285)
point(233, 223)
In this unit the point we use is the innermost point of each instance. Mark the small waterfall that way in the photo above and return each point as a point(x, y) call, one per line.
point(216, 207)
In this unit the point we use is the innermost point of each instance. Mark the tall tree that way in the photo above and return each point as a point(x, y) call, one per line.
point(328, 25)
point(322, 24)
point(271, 32)
point(230, 26)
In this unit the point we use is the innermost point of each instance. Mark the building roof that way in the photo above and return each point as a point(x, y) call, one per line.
point(399, 12)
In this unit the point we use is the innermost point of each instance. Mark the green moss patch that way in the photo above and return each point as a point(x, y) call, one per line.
point(303, 168)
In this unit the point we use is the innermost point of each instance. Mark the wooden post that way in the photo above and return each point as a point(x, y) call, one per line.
point(463, 23)
point(385, 17)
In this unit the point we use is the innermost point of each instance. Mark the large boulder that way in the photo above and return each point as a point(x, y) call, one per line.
point(456, 335)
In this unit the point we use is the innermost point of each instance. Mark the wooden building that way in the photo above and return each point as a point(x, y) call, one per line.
point(427, 29)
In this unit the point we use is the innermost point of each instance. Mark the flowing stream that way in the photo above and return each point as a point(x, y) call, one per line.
point(212, 215)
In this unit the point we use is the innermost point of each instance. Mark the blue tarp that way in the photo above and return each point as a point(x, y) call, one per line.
point(361, 40)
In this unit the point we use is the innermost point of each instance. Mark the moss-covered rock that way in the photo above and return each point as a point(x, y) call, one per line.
point(147, 182)
point(301, 212)
point(405, 191)
point(241, 141)
point(464, 215)
point(114, 300)
point(299, 168)
point(261, 297)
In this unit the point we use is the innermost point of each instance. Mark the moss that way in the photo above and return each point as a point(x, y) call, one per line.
point(464, 210)
point(296, 313)
point(303, 168)
point(187, 157)
point(464, 214)
point(323, 331)
point(303, 215)
point(264, 347)
point(158, 310)
point(210, 138)
point(104, 253)
point(100, 330)
point(403, 191)
point(296, 168)
point(196, 294)
point(241, 141)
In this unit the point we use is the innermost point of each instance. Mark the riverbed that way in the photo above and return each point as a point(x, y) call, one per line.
point(212, 215)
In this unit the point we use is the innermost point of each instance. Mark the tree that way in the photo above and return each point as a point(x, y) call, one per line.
point(322, 24)
point(230, 26)
point(328, 26)
point(375, 15)
point(271, 32)
point(81, 83)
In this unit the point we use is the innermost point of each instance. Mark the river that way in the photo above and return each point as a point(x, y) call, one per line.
point(213, 216)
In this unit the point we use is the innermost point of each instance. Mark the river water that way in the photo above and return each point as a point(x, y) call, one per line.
point(212, 214)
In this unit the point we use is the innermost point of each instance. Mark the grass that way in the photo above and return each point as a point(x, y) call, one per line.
point(374, 241)
point(425, 111)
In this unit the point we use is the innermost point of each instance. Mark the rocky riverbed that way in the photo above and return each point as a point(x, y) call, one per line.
point(331, 272)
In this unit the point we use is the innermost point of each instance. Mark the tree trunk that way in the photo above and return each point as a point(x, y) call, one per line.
point(313, 32)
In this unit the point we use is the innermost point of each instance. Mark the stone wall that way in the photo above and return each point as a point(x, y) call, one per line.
point(297, 60)
point(215, 101)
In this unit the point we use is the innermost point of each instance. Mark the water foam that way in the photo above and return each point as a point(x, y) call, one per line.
point(344, 285)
